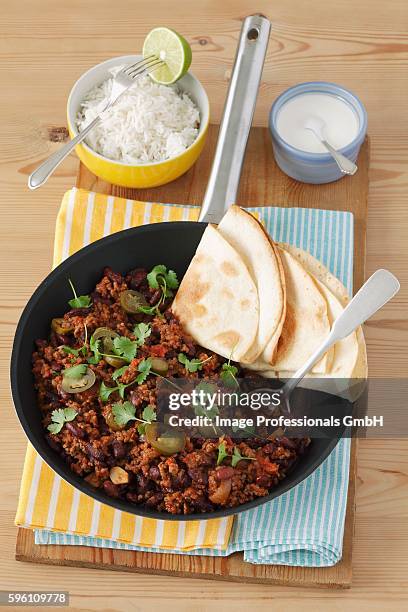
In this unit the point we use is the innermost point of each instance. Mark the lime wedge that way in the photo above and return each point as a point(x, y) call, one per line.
point(173, 49)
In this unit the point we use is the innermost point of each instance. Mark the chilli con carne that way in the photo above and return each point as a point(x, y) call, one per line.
point(96, 379)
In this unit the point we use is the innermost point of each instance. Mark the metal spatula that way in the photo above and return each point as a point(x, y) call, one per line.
point(373, 295)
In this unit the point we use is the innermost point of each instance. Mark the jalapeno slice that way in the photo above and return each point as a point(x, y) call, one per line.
point(160, 366)
point(164, 441)
point(60, 326)
point(131, 301)
point(78, 385)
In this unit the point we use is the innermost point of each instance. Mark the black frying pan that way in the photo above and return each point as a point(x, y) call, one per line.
point(172, 244)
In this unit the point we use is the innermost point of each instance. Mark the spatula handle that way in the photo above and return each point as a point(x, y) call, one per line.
point(237, 118)
point(372, 296)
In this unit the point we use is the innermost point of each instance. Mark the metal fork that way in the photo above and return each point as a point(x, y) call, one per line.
point(123, 80)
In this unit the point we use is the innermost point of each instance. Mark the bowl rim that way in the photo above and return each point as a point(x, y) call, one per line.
point(323, 87)
point(120, 60)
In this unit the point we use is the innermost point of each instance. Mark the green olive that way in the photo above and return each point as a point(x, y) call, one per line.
point(160, 366)
point(165, 442)
point(115, 362)
point(78, 385)
point(60, 326)
point(131, 301)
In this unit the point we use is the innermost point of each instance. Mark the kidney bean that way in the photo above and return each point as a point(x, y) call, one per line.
point(143, 484)
point(111, 489)
point(154, 473)
point(61, 339)
point(113, 276)
point(225, 472)
point(198, 475)
point(79, 312)
point(97, 298)
point(181, 481)
point(119, 449)
point(53, 397)
point(203, 505)
point(75, 430)
point(95, 453)
point(136, 277)
point(287, 443)
point(41, 343)
point(155, 297)
point(56, 366)
point(132, 497)
point(155, 499)
point(264, 481)
point(54, 444)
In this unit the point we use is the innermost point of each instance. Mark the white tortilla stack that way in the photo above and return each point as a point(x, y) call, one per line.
point(250, 240)
point(267, 306)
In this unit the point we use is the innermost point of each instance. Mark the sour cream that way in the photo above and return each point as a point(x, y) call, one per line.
point(342, 122)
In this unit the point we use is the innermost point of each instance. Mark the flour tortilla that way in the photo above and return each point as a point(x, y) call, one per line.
point(306, 323)
point(346, 351)
point(247, 236)
point(217, 301)
point(322, 274)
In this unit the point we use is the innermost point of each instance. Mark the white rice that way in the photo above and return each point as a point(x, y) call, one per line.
point(150, 122)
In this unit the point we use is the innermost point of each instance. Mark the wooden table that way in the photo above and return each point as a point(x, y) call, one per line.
point(361, 44)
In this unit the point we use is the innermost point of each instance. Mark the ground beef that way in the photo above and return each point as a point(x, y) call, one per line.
point(186, 482)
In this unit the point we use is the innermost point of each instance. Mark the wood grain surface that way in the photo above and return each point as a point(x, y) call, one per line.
point(44, 47)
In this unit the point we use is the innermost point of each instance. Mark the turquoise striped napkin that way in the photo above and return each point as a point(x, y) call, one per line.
point(304, 526)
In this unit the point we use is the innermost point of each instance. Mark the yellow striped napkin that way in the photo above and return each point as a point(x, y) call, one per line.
point(46, 500)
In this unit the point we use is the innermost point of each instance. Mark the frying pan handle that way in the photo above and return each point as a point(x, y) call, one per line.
point(237, 118)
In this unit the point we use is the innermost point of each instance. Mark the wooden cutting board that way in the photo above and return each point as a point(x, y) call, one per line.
point(262, 184)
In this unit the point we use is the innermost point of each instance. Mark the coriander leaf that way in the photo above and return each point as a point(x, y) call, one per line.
point(118, 373)
point(123, 412)
point(172, 280)
point(222, 453)
point(94, 346)
point(124, 347)
point(144, 368)
point(151, 310)
point(121, 388)
point(149, 414)
point(152, 277)
point(69, 414)
point(191, 365)
point(59, 417)
point(105, 392)
point(161, 278)
point(70, 351)
point(55, 427)
point(237, 457)
point(142, 331)
point(228, 375)
point(82, 301)
point(76, 372)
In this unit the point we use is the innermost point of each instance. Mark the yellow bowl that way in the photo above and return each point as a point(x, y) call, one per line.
point(150, 174)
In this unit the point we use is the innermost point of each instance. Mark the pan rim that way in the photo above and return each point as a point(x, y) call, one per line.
point(50, 457)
